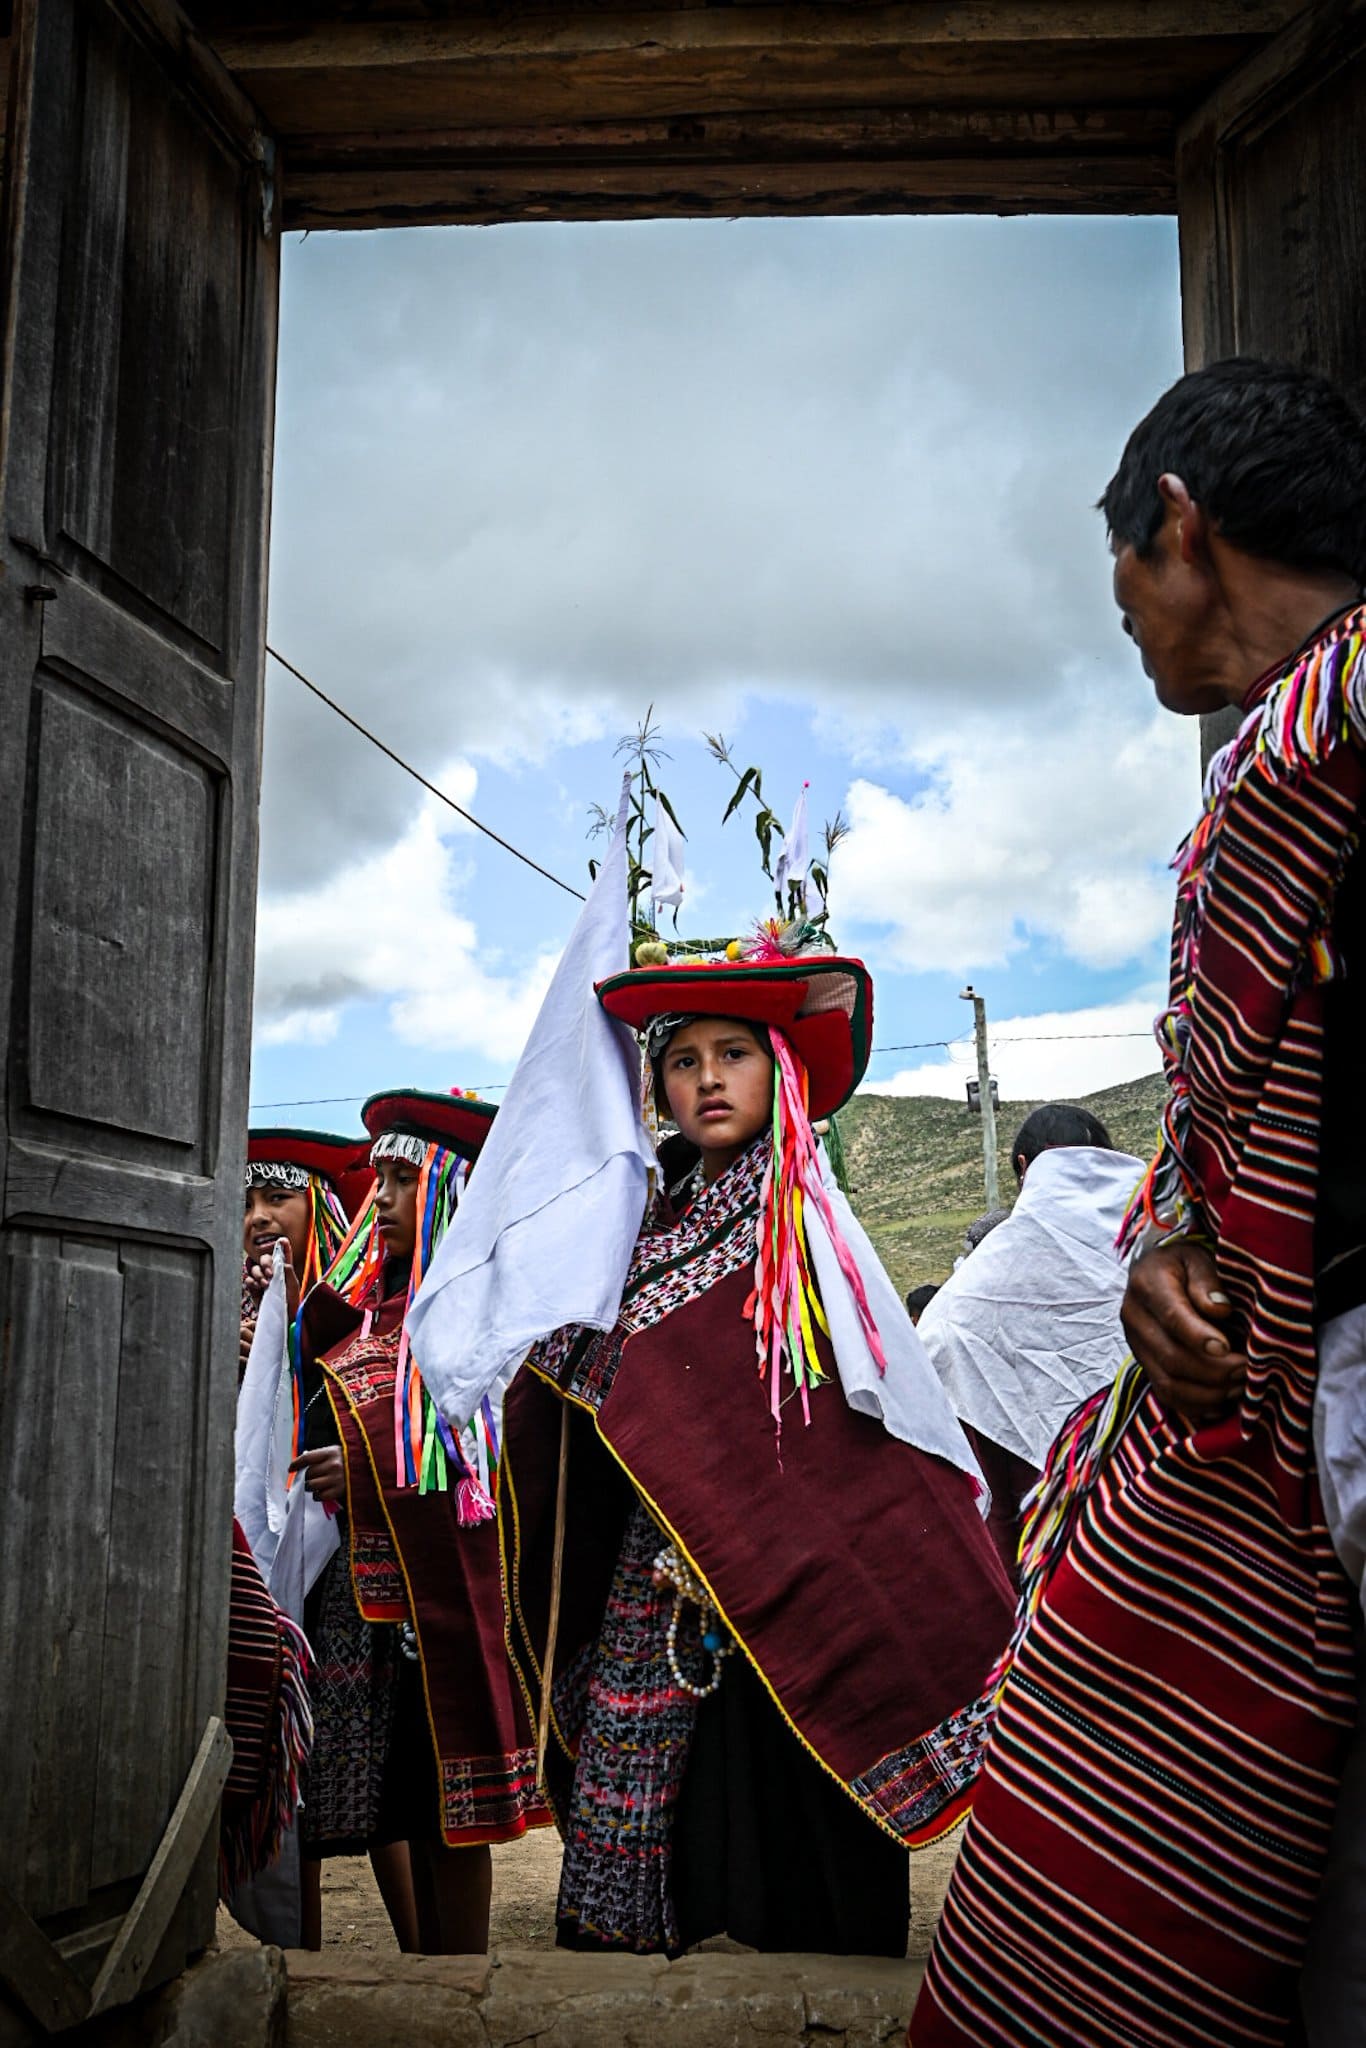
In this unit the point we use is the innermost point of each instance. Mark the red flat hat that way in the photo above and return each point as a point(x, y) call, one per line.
point(343, 1161)
point(822, 1002)
point(459, 1122)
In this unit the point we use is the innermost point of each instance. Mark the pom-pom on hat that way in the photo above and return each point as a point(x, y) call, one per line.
point(822, 1002)
point(456, 1121)
point(344, 1162)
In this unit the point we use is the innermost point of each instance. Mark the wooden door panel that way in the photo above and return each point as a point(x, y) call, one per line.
point(149, 321)
point(58, 1423)
point(166, 1293)
point(139, 324)
point(121, 936)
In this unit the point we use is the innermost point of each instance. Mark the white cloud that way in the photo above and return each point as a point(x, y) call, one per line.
point(1057, 1055)
point(529, 479)
point(386, 927)
point(302, 1027)
point(1057, 831)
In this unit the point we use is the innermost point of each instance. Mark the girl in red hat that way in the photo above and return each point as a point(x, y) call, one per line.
point(769, 1591)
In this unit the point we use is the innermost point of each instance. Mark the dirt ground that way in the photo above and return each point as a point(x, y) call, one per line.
point(526, 1876)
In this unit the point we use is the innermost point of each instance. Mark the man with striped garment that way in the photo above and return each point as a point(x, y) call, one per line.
point(1155, 1814)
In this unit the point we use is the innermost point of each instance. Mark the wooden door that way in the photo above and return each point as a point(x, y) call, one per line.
point(1273, 211)
point(140, 291)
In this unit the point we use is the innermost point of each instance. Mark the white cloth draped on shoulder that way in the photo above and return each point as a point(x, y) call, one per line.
point(908, 1399)
point(292, 1536)
point(1028, 1325)
point(546, 1226)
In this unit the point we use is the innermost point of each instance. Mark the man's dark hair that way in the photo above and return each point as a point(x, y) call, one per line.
point(1056, 1123)
point(1275, 455)
point(919, 1299)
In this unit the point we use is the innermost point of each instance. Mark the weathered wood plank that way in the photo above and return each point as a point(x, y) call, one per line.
point(123, 874)
point(755, 137)
point(673, 85)
point(112, 653)
point(350, 45)
point(58, 1414)
point(1082, 184)
point(136, 1942)
point(139, 1721)
point(35, 1973)
point(45, 1183)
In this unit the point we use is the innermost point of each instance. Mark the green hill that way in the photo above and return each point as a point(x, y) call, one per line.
point(915, 1166)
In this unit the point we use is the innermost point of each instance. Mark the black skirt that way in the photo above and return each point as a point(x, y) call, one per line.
point(769, 1849)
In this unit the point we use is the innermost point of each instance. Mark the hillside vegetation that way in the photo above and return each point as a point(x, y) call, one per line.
point(915, 1166)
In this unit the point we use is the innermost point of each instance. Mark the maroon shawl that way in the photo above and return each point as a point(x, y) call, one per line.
point(412, 1561)
point(854, 1571)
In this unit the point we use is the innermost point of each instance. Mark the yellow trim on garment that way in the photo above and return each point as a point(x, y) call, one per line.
point(513, 1832)
point(927, 1841)
point(512, 1603)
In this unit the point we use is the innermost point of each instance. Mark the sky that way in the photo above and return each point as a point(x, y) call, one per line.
point(826, 487)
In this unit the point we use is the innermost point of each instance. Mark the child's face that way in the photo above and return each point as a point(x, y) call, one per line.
point(718, 1081)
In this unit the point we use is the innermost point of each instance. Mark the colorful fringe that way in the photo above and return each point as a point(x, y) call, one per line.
point(1075, 1461)
point(328, 1229)
point(785, 1304)
point(1292, 726)
point(427, 1454)
point(270, 1719)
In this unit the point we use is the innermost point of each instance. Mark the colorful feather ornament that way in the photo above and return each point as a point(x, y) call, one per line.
point(427, 1452)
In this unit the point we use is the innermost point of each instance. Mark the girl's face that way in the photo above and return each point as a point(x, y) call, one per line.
point(396, 1207)
point(273, 1213)
point(718, 1081)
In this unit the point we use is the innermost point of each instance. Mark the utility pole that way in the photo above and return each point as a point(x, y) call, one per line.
point(984, 1101)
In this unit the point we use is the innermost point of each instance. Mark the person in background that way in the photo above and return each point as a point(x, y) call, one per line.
point(778, 1600)
point(1152, 1835)
point(1029, 1325)
point(301, 1190)
point(430, 1743)
point(919, 1299)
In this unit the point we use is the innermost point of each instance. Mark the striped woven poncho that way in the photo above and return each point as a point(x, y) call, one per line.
point(1152, 1818)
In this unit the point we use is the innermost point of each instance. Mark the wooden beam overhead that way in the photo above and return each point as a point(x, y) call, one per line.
point(727, 31)
point(872, 133)
point(426, 194)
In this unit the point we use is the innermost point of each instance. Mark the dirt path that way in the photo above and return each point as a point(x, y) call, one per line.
point(526, 1876)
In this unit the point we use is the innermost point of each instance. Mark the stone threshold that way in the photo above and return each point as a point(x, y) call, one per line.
point(516, 1998)
point(555, 1999)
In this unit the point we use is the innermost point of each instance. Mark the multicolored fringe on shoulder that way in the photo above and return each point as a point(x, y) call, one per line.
point(1295, 721)
point(1075, 1461)
point(427, 1452)
point(785, 1305)
point(270, 1720)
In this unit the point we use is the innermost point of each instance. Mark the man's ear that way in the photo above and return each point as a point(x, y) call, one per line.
point(1191, 525)
point(1021, 1167)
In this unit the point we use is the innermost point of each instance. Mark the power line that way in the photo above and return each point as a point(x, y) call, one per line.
point(324, 1101)
point(409, 769)
point(1058, 1037)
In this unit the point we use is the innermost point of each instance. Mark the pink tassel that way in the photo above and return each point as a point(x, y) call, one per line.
point(472, 1504)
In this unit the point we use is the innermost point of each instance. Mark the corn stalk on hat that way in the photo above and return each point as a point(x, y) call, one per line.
point(457, 1122)
point(821, 1002)
point(282, 1158)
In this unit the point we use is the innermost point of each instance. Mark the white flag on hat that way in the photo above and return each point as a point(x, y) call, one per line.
point(666, 859)
point(795, 857)
point(547, 1224)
